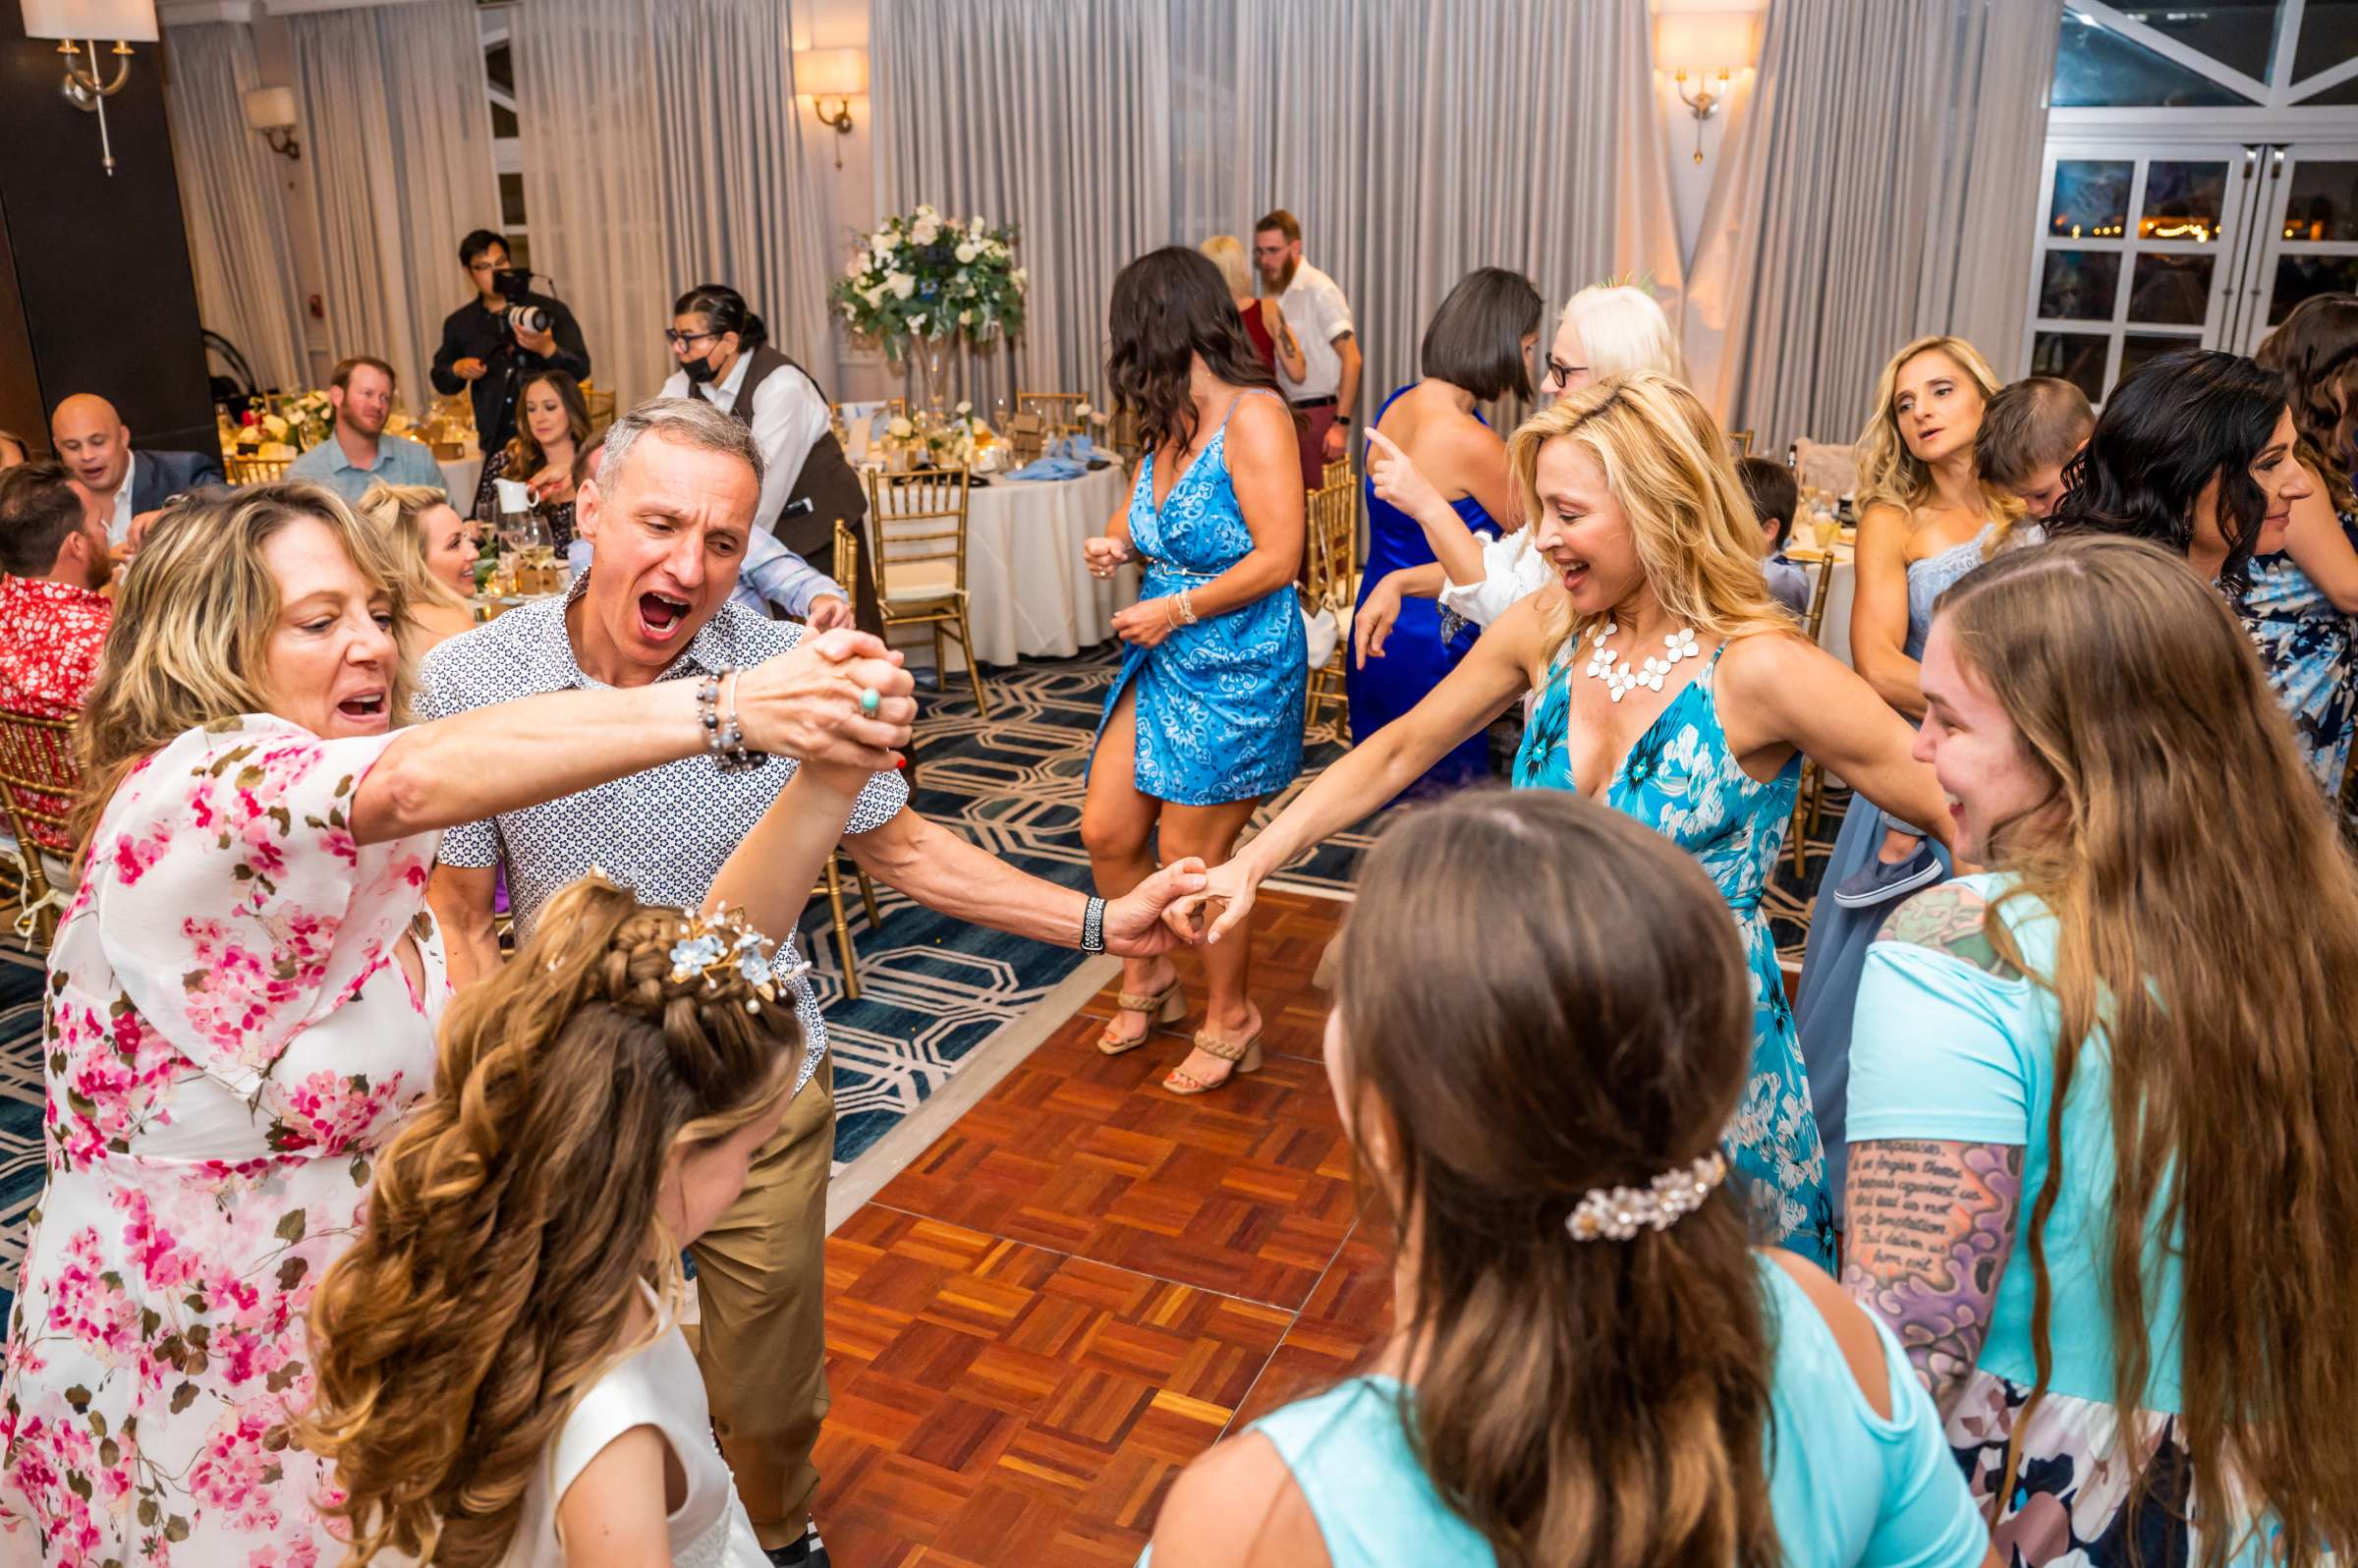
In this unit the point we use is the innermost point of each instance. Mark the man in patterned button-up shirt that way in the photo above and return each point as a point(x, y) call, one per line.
point(668, 519)
point(53, 619)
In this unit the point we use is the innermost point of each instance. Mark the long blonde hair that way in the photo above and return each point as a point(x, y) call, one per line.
point(2207, 926)
point(514, 1219)
point(193, 624)
point(1668, 466)
point(397, 513)
point(1891, 473)
point(1623, 332)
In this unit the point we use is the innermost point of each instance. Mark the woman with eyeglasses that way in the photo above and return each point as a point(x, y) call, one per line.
point(724, 357)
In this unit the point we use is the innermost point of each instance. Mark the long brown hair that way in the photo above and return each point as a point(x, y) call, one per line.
point(2208, 926)
point(1582, 1404)
point(513, 1220)
point(524, 457)
point(1670, 469)
point(194, 617)
point(2315, 350)
point(1170, 307)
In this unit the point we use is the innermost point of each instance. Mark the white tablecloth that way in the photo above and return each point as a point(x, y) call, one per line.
point(1027, 591)
point(460, 475)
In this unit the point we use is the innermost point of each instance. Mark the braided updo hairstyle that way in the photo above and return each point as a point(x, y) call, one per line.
point(513, 1220)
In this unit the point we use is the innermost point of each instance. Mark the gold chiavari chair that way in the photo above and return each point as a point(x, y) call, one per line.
point(1810, 799)
point(255, 469)
point(894, 408)
point(38, 777)
point(916, 538)
point(830, 882)
point(1122, 437)
point(1055, 409)
point(600, 404)
point(1332, 584)
point(1336, 471)
point(1739, 444)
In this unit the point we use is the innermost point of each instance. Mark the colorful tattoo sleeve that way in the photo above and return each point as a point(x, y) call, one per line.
point(1932, 1226)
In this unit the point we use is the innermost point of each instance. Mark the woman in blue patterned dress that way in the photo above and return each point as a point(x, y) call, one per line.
point(1205, 720)
point(1671, 687)
point(2196, 452)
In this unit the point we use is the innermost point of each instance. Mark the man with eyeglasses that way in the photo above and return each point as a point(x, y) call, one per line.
point(492, 355)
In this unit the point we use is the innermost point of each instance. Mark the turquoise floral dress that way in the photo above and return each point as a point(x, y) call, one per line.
point(1681, 781)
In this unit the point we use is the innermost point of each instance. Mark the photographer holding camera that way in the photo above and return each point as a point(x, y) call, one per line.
point(502, 338)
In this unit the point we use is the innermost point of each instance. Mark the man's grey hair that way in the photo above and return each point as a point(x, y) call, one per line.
point(690, 421)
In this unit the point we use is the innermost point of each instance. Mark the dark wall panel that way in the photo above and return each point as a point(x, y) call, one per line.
point(104, 296)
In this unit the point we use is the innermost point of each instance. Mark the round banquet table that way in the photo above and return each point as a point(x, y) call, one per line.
point(1027, 593)
point(1833, 634)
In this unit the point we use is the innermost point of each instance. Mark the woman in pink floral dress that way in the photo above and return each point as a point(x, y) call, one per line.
point(242, 1003)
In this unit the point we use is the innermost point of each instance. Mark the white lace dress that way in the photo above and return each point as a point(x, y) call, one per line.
point(659, 1387)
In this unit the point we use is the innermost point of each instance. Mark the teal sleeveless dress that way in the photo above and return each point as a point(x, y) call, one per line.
point(1845, 1486)
point(1681, 781)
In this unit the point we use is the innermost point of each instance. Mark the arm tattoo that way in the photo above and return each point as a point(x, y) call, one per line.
point(1932, 1225)
point(1952, 918)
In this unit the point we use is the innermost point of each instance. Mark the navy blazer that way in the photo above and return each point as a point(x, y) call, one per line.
point(156, 476)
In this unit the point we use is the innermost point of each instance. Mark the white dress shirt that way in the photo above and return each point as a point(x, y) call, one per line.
point(1314, 308)
point(118, 525)
point(789, 417)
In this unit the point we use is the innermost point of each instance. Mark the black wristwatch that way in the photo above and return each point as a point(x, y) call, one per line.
point(1093, 925)
point(1342, 419)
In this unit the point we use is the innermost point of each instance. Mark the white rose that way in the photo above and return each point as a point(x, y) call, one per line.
point(966, 319)
point(901, 284)
point(880, 260)
point(874, 298)
point(1080, 411)
point(900, 429)
point(981, 224)
point(966, 253)
point(925, 210)
point(965, 407)
point(1019, 277)
point(926, 232)
point(274, 424)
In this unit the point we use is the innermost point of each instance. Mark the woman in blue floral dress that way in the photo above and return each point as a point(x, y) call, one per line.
point(1205, 720)
point(1670, 687)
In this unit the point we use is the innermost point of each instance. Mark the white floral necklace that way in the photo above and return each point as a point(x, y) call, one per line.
point(1621, 677)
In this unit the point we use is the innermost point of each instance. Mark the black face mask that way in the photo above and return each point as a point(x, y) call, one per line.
point(700, 371)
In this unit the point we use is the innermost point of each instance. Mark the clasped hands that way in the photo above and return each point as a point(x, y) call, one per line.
point(810, 702)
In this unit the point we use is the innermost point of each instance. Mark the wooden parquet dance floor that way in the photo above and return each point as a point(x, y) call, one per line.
point(1087, 1281)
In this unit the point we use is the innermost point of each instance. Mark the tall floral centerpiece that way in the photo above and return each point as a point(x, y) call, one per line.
point(923, 282)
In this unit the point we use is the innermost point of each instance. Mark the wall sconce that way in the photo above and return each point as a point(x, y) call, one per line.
point(271, 111)
point(837, 73)
point(78, 26)
point(1711, 47)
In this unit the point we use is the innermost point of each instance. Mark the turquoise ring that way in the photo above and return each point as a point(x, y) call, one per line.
point(870, 700)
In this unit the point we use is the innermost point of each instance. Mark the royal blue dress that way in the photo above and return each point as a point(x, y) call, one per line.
point(1681, 781)
point(1415, 659)
point(1220, 702)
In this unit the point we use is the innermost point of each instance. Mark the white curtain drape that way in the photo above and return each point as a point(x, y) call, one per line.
point(661, 150)
point(1879, 187)
point(738, 203)
point(585, 104)
point(229, 196)
point(1390, 128)
point(397, 123)
point(1051, 116)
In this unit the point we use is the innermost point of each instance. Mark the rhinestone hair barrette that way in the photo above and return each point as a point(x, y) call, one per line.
point(1617, 1214)
point(720, 943)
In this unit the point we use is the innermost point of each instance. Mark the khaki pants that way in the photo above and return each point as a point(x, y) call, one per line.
point(761, 1278)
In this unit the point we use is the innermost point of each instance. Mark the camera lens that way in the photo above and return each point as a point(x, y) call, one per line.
point(528, 317)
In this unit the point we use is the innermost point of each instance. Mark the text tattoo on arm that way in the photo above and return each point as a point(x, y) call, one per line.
point(1932, 1226)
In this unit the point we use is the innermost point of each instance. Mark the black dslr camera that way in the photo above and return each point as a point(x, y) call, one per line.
point(513, 285)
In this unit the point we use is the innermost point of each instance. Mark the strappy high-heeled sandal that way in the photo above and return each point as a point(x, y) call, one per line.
point(1245, 1053)
point(1165, 1006)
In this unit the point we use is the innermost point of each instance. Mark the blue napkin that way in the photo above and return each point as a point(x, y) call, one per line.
point(1051, 468)
point(1076, 446)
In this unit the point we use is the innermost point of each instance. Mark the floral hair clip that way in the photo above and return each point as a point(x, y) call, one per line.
point(1617, 1214)
point(714, 944)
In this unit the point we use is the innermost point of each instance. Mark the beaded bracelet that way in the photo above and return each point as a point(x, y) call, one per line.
point(1185, 612)
point(724, 735)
